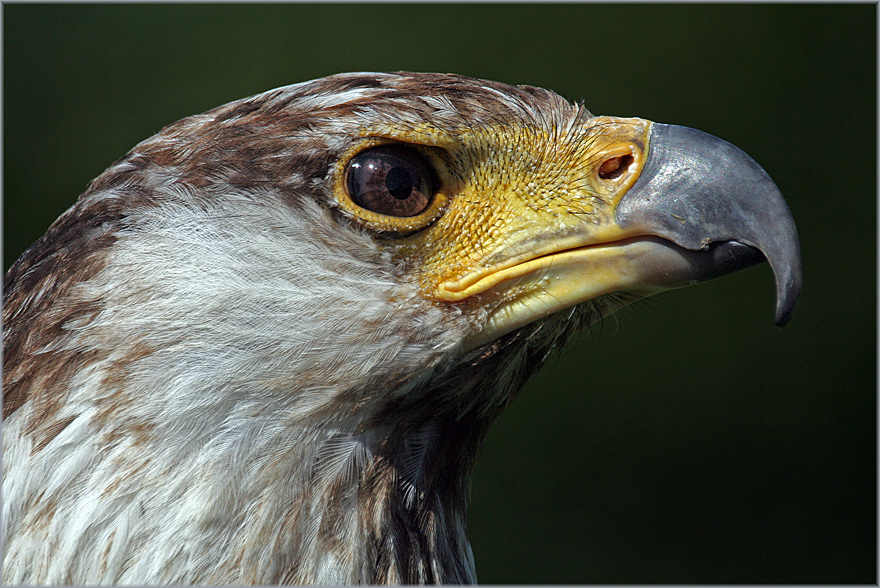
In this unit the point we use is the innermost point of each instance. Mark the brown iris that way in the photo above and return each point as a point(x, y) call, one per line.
point(391, 179)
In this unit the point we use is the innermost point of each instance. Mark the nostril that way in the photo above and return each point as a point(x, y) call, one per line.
point(615, 166)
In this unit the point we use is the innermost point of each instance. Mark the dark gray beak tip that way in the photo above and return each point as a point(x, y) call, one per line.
point(788, 290)
point(696, 189)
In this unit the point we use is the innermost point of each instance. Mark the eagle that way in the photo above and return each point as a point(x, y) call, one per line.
point(265, 345)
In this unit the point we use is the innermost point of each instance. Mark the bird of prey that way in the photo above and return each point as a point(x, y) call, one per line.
point(265, 345)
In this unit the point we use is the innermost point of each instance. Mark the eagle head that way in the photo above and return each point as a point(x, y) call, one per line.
point(265, 345)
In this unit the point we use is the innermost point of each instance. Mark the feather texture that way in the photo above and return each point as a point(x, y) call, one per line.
point(212, 374)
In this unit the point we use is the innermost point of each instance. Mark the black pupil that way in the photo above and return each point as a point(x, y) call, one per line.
point(399, 183)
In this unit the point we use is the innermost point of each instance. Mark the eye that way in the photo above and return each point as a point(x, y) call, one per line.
point(391, 179)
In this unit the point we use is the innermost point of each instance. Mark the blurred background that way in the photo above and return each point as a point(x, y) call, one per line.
point(687, 440)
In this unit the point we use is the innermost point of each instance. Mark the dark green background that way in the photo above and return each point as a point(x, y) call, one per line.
point(688, 440)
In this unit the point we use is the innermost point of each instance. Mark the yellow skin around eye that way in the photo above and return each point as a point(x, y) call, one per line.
point(507, 204)
point(516, 206)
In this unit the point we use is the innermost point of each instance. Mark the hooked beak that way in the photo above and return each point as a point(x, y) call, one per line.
point(706, 195)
